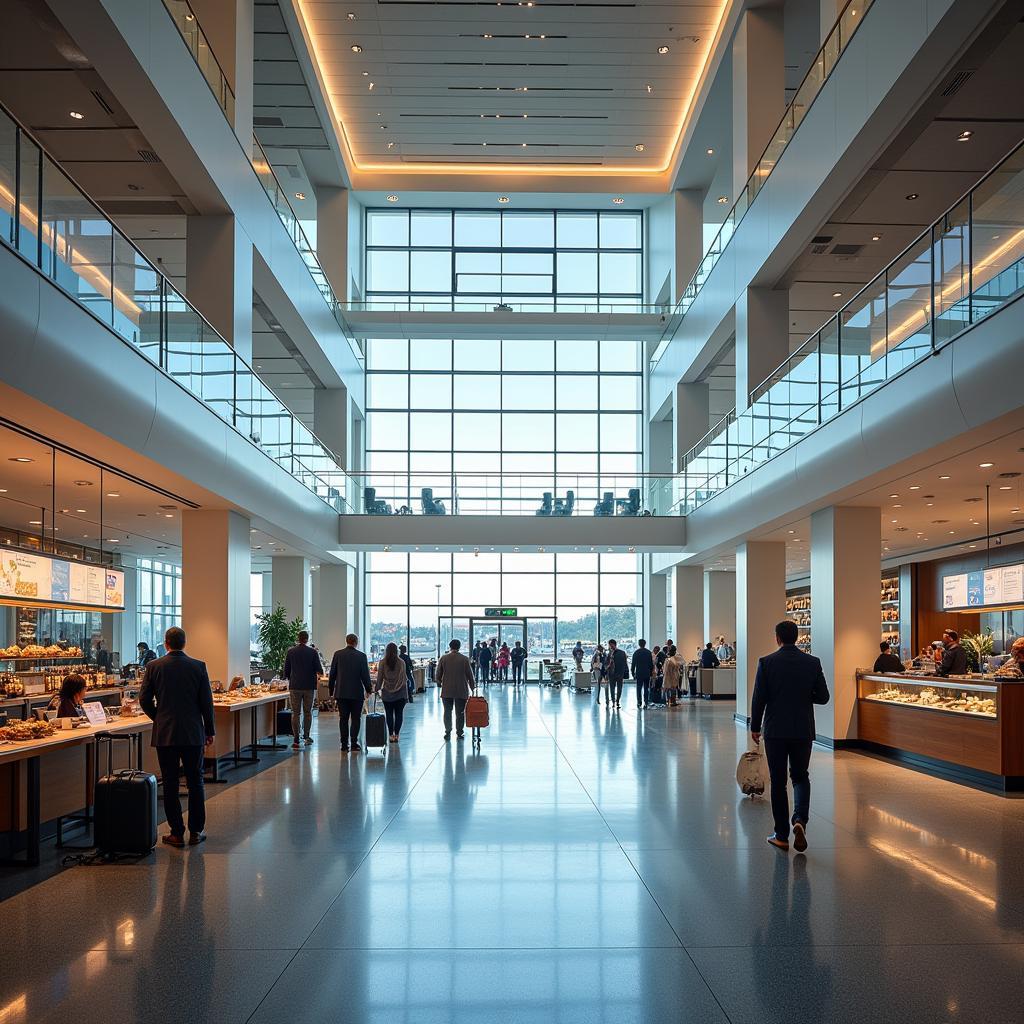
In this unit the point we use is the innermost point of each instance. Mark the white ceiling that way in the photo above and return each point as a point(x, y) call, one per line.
point(441, 88)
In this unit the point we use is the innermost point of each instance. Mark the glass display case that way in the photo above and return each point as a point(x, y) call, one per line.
point(954, 696)
point(798, 608)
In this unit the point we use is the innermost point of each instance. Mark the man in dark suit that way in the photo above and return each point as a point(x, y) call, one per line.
point(302, 668)
point(176, 695)
point(618, 669)
point(787, 686)
point(954, 657)
point(642, 668)
point(349, 683)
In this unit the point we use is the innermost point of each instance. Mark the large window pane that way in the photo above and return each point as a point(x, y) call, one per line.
point(621, 231)
point(529, 432)
point(387, 227)
point(528, 355)
point(387, 354)
point(577, 272)
point(528, 230)
point(431, 227)
point(430, 391)
point(387, 270)
point(473, 228)
point(430, 354)
point(431, 271)
point(477, 391)
point(577, 231)
point(528, 392)
point(473, 354)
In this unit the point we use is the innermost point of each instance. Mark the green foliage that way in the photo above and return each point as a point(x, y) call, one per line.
point(276, 634)
point(976, 646)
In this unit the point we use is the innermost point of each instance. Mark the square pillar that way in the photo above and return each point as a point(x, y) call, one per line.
point(333, 617)
point(218, 277)
point(332, 207)
point(689, 249)
point(846, 546)
point(760, 606)
point(290, 588)
point(656, 602)
point(758, 88)
point(719, 605)
point(689, 609)
point(762, 338)
point(215, 569)
point(691, 418)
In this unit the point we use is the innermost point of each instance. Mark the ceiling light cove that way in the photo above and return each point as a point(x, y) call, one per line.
point(456, 59)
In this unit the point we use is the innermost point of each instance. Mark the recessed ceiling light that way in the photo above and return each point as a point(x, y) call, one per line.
point(81, 511)
point(876, 238)
point(35, 522)
point(710, 151)
point(113, 540)
point(912, 196)
point(113, 494)
point(351, 15)
point(1006, 487)
point(487, 35)
point(356, 48)
point(837, 295)
point(366, 74)
point(639, 147)
point(21, 458)
point(370, 86)
point(915, 487)
point(77, 115)
point(663, 50)
point(502, 199)
point(964, 136)
point(893, 495)
point(952, 531)
point(897, 506)
point(618, 200)
point(392, 199)
point(985, 465)
point(722, 200)
point(943, 477)
point(391, 145)
point(300, 195)
point(523, 145)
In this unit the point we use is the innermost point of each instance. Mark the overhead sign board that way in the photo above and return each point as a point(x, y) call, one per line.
point(501, 613)
point(984, 588)
point(28, 578)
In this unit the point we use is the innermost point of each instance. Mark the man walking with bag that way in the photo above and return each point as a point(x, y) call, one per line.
point(455, 677)
point(787, 686)
point(618, 669)
point(349, 683)
point(302, 667)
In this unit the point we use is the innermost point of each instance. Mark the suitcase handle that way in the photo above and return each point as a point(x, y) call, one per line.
point(108, 738)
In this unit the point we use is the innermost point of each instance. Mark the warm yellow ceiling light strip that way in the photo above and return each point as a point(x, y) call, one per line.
point(556, 170)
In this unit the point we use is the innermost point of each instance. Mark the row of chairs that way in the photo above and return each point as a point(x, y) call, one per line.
point(609, 505)
point(378, 507)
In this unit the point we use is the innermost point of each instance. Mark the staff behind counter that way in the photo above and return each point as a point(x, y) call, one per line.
point(69, 700)
point(945, 659)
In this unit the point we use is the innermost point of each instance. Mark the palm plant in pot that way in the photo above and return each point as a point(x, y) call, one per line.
point(977, 646)
point(276, 634)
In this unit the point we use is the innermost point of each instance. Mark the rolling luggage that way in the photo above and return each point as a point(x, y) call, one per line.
point(477, 713)
point(124, 807)
point(376, 729)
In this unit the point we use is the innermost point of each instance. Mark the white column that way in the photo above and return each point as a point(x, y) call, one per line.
point(720, 605)
point(689, 609)
point(290, 586)
point(689, 211)
point(846, 548)
point(760, 606)
point(218, 277)
point(332, 412)
point(656, 599)
point(332, 237)
point(215, 558)
point(332, 607)
point(758, 88)
point(762, 338)
point(691, 416)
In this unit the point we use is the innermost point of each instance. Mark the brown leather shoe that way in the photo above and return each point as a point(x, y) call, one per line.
point(172, 840)
point(195, 838)
point(779, 843)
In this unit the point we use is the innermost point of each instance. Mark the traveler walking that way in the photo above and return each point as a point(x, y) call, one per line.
point(455, 677)
point(493, 648)
point(577, 655)
point(787, 686)
point(642, 669)
point(392, 685)
point(403, 653)
point(518, 657)
point(616, 671)
point(672, 673)
point(302, 667)
point(176, 695)
point(504, 659)
point(475, 659)
point(484, 660)
point(349, 682)
point(597, 666)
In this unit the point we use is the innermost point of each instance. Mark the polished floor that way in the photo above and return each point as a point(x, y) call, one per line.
point(585, 866)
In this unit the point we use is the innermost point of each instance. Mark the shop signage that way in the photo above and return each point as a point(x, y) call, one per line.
point(27, 578)
point(501, 613)
point(984, 588)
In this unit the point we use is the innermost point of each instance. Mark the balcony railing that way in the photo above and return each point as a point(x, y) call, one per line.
point(850, 19)
point(52, 224)
point(191, 32)
point(968, 264)
point(456, 304)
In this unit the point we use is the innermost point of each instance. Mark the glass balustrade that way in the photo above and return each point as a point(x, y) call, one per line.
point(968, 264)
point(821, 67)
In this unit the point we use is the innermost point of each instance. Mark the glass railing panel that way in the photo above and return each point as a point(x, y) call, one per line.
point(8, 177)
point(850, 17)
point(244, 419)
point(951, 268)
point(271, 424)
point(29, 174)
point(808, 89)
point(77, 243)
point(830, 51)
point(997, 217)
point(828, 368)
point(195, 39)
point(804, 390)
point(909, 300)
point(219, 377)
point(190, 349)
point(863, 334)
point(137, 298)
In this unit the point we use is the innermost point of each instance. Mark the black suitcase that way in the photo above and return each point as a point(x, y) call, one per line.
point(124, 808)
point(376, 729)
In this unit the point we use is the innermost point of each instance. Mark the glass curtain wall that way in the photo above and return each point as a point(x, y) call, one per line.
point(533, 259)
point(591, 595)
point(159, 602)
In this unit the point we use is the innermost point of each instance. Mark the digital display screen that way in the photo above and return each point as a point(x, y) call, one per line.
point(29, 578)
point(501, 613)
point(984, 588)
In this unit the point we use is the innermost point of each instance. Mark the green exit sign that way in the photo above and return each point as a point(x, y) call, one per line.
point(501, 613)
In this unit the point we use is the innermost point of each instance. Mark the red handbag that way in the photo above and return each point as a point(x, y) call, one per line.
point(477, 713)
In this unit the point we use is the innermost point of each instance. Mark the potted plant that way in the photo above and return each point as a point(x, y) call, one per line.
point(977, 646)
point(276, 635)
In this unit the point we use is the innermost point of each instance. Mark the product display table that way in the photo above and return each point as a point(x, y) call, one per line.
point(716, 683)
point(53, 777)
point(230, 719)
point(964, 727)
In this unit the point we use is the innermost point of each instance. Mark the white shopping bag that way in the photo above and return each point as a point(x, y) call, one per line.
point(752, 773)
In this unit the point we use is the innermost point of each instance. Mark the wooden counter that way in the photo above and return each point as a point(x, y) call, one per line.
point(243, 723)
point(966, 746)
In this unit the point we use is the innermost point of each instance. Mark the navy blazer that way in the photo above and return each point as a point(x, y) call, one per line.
point(176, 694)
point(642, 665)
point(618, 667)
point(301, 667)
point(349, 678)
point(787, 686)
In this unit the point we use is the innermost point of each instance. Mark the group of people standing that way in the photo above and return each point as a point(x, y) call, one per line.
point(654, 671)
point(490, 662)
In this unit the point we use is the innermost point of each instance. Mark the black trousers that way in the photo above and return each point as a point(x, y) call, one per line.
point(615, 689)
point(643, 687)
point(350, 718)
point(394, 713)
point(174, 760)
point(789, 757)
point(517, 671)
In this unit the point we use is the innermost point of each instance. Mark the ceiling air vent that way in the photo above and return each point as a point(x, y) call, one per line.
point(267, 122)
point(957, 82)
point(1008, 476)
point(147, 156)
point(98, 97)
point(846, 250)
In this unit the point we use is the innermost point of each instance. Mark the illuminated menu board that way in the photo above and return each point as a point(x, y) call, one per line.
point(984, 588)
point(29, 578)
